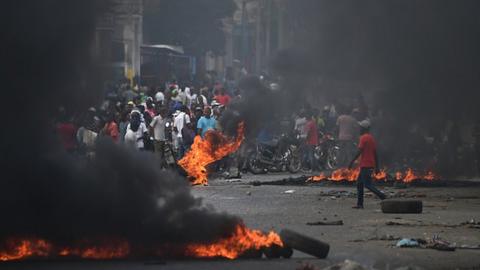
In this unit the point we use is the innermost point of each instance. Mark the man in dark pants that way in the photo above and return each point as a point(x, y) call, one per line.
point(367, 151)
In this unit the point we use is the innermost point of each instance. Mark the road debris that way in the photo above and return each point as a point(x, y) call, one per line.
point(326, 223)
point(408, 242)
point(347, 265)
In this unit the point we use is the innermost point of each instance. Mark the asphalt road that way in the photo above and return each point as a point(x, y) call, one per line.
point(278, 207)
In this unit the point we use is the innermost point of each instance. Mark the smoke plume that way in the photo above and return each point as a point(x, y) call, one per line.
point(45, 192)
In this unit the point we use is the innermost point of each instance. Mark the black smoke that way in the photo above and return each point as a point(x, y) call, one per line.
point(419, 58)
point(46, 193)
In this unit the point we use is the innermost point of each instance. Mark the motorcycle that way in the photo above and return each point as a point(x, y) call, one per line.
point(326, 152)
point(278, 155)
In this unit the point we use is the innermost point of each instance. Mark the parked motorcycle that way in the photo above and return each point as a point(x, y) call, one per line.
point(278, 155)
point(326, 152)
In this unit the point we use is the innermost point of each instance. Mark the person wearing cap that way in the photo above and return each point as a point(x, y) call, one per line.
point(367, 152)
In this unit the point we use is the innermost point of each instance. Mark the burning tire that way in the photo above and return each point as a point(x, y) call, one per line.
point(402, 207)
point(275, 252)
point(305, 244)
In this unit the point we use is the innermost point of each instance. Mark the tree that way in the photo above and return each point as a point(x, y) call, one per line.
point(194, 24)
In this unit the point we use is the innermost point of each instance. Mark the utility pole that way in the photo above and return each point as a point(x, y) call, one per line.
point(244, 34)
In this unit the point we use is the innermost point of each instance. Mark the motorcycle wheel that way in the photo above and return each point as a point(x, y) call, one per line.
point(253, 164)
point(294, 164)
point(332, 158)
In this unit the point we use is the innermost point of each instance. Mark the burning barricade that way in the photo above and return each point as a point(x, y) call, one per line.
point(243, 243)
point(351, 175)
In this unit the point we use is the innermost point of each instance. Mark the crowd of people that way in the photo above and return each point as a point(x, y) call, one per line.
point(166, 119)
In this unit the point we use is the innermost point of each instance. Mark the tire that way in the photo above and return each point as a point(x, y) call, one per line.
point(332, 158)
point(305, 244)
point(402, 207)
point(275, 252)
point(253, 165)
point(294, 164)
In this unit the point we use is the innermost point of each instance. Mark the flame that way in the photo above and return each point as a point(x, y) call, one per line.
point(205, 151)
point(410, 176)
point(345, 174)
point(242, 240)
point(16, 249)
point(381, 175)
point(19, 249)
point(430, 176)
point(99, 251)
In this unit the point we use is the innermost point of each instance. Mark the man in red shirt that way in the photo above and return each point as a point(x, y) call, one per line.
point(312, 139)
point(111, 128)
point(222, 97)
point(367, 151)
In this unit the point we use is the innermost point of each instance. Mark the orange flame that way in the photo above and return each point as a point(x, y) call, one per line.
point(213, 147)
point(242, 240)
point(345, 174)
point(112, 250)
point(18, 249)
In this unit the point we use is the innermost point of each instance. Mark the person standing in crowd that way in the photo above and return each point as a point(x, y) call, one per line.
point(181, 120)
point(88, 132)
point(159, 97)
point(300, 123)
point(157, 130)
point(111, 128)
point(129, 94)
point(201, 99)
point(311, 142)
point(347, 132)
point(206, 122)
point(123, 124)
point(222, 98)
point(136, 132)
point(196, 116)
point(367, 152)
point(67, 131)
point(150, 107)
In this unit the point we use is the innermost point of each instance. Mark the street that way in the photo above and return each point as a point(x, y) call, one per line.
point(364, 236)
point(266, 207)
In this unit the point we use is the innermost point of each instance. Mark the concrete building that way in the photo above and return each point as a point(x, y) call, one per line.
point(119, 37)
point(256, 31)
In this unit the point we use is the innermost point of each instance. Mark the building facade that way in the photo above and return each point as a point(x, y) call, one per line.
point(119, 37)
point(257, 30)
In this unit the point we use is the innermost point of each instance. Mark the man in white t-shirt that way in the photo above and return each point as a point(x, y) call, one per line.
point(181, 119)
point(136, 131)
point(300, 123)
point(157, 130)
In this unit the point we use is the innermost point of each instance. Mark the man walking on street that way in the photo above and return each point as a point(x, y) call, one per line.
point(367, 151)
